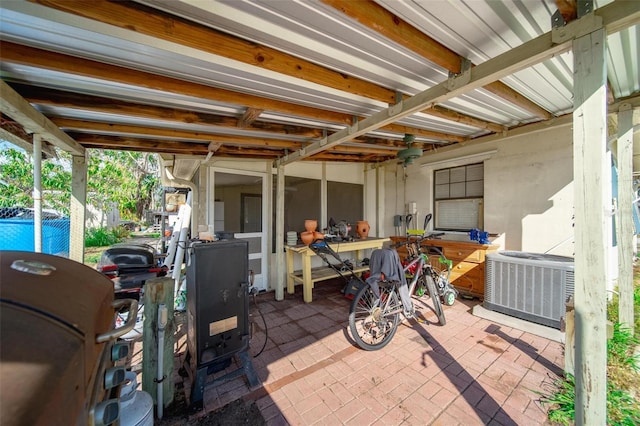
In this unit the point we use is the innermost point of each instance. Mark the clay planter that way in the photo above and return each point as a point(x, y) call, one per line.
point(318, 235)
point(310, 225)
point(362, 229)
point(306, 237)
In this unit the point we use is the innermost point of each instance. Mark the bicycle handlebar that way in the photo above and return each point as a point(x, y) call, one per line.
point(414, 243)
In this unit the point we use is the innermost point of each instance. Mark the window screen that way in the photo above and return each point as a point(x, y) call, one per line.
point(345, 202)
point(458, 197)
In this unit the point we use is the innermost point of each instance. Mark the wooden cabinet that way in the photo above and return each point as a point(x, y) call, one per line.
point(468, 257)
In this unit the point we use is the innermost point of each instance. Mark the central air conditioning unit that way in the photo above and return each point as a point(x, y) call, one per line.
point(530, 286)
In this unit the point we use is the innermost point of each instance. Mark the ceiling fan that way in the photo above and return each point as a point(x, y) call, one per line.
point(409, 154)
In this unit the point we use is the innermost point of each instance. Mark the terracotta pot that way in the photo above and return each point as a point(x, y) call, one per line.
point(306, 237)
point(362, 229)
point(318, 235)
point(310, 225)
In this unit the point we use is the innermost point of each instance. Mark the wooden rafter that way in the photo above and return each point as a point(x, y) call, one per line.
point(144, 133)
point(144, 20)
point(139, 144)
point(614, 17)
point(107, 106)
point(14, 106)
point(386, 23)
point(14, 53)
point(167, 133)
point(249, 116)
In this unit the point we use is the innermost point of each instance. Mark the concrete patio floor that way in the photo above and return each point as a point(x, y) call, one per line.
point(472, 371)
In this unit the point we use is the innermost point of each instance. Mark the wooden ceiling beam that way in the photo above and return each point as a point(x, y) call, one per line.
point(13, 132)
point(139, 144)
point(362, 150)
point(16, 107)
point(166, 133)
point(141, 19)
point(376, 17)
point(25, 55)
point(614, 17)
point(440, 111)
point(103, 105)
point(97, 104)
point(146, 132)
point(152, 22)
point(329, 156)
point(249, 116)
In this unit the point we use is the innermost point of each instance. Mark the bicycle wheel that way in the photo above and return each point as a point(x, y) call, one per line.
point(435, 297)
point(372, 328)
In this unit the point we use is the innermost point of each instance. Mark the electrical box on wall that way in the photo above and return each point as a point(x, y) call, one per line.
point(397, 220)
point(412, 207)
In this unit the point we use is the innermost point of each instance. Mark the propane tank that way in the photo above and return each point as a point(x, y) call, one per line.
point(136, 407)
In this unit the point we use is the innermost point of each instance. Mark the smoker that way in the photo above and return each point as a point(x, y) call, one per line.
point(217, 313)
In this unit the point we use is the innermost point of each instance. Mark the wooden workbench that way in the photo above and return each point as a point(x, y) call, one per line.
point(468, 257)
point(308, 276)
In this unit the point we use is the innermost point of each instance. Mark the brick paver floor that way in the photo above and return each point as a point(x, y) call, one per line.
point(469, 372)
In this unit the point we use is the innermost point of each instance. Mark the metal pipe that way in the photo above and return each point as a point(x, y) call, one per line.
point(162, 323)
point(37, 192)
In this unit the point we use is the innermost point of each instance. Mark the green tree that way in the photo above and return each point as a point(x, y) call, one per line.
point(124, 177)
point(129, 179)
point(16, 175)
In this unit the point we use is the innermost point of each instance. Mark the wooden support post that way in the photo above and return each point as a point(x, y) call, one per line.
point(569, 338)
point(624, 217)
point(78, 207)
point(592, 200)
point(280, 273)
point(381, 217)
point(157, 291)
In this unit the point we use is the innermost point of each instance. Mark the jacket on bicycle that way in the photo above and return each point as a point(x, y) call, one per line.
point(385, 264)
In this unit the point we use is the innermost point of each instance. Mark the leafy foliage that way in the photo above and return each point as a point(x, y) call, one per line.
point(16, 174)
point(612, 308)
point(101, 237)
point(128, 179)
point(623, 374)
point(561, 399)
point(622, 381)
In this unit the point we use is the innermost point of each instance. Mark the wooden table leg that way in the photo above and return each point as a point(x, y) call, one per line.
point(290, 282)
point(307, 285)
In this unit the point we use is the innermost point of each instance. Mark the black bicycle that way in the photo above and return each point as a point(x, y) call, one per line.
point(374, 319)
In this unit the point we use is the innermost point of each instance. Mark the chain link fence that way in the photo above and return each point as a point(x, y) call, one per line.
point(17, 227)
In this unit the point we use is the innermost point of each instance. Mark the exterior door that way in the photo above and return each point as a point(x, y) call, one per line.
point(240, 210)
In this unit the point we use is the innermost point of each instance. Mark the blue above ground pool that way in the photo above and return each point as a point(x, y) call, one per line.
point(17, 234)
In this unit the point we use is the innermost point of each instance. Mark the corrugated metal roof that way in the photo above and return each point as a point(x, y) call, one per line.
point(321, 34)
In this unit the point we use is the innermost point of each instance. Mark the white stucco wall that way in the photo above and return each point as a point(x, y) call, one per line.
point(528, 190)
point(529, 193)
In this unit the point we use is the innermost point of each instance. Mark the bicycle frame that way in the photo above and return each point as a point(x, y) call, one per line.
point(375, 311)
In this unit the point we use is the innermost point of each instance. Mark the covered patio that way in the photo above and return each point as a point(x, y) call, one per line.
point(540, 93)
